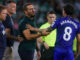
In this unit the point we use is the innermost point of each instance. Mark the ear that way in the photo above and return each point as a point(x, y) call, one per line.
point(47, 16)
point(25, 11)
point(7, 6)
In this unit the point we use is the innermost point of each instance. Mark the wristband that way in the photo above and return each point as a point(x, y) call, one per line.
point(43, 42)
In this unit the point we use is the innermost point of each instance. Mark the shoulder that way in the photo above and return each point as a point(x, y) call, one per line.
point(1, 26)
point(59, 19)
point(7, 22)
point(7, 19)
point(62, 18)
point(44, 25)
point(21, 22)
point(76, 20)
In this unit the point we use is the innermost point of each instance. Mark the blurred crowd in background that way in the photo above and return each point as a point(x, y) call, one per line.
point(42, 7)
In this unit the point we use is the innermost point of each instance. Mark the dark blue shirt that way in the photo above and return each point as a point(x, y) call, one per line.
point(67, 29)
point(8, 23)
point(2, 36)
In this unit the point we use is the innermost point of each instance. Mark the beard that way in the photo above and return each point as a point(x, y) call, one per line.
point(32, 16)
point(12, 13)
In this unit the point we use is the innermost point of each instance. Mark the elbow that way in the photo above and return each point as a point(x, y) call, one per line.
point(7, 35)
point(28, 38)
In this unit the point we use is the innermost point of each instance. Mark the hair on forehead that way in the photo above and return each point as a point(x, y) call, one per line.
point(8, 2)
point(2, 8)
point(25, 6)
point(51, 12)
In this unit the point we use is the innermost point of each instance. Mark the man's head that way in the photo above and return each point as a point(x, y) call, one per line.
point(11, 7)
point(29, 10)
point(68, 10)
point(51, 16)
point(3, 13)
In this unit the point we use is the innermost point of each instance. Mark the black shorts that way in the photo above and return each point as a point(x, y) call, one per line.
point(26, 54)
point(47, 54)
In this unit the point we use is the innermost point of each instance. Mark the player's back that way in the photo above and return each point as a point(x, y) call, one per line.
point(67, 29)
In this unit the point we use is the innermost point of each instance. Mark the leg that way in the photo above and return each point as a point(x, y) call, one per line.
point(69, 56)
point(57, 54)
point(26, 55)
point(43, 51)
point(78, 57)
point(8, 54)
point(50, 53)
point(1, 53)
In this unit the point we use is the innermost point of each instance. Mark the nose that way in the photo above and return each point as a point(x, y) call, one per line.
point(33, 10)
point(51, 18)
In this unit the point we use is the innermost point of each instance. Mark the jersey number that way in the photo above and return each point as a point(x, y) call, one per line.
point(67, 35)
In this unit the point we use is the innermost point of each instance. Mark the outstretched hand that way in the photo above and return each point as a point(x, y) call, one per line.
point(44, 32)
point(20, 39)
point(46, 46)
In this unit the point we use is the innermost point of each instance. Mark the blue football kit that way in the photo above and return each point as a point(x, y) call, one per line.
point(67, 29)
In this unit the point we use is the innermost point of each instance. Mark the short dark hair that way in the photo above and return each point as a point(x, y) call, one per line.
point(10, 1)
point(2, 8)
point(25, 6)
point(69, 9)
point(51, 12)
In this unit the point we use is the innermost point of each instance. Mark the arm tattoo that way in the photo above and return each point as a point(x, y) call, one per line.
point(49, 29)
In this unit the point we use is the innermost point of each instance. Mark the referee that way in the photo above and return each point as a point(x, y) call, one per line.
point(48, 42)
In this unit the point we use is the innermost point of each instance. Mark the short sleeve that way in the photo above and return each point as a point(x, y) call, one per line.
point(55, 24)
point(42, 27)
point(22, 27)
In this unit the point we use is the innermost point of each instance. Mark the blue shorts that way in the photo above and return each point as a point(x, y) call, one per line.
point(63, 54)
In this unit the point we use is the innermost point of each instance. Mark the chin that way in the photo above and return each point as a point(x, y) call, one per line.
point(3, 19)
point(32, 15)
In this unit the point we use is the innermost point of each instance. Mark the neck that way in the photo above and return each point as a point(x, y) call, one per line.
point(0, 21)
point(9, 14)
point(29, 17)
point(65, 15)
point(49, 22)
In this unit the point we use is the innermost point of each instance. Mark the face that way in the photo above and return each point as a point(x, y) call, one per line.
point(31, 10)
point(3, 15)
point(51, 18)
point(12, 8)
